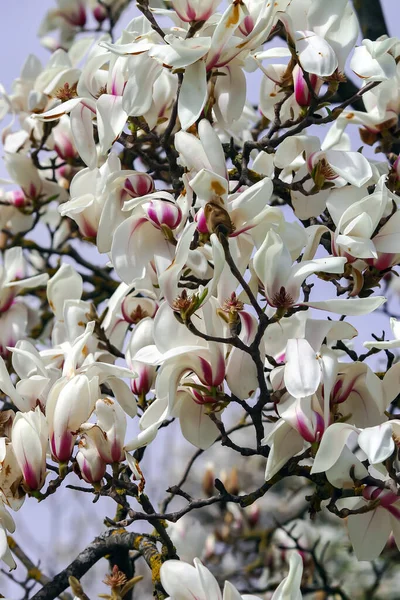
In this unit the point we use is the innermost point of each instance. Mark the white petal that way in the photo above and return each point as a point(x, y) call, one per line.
point(111, 119)
point(66, 284)
point(302, 369)
point(196, 425)
point(331, 446)
point(181, 581)
point(193, 94)
point(377, 442)
point(351, 306)
point(369, 533)
point(82, 132)
point(315, 54)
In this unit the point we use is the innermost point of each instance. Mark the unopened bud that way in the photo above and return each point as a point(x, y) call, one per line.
point(217, 219)
point(208, 480)
point(232, 482)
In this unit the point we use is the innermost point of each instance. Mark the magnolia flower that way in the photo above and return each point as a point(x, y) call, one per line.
point(184, 582)
point(109, 432)
point(357, 216)
point(374, 61)
point(189, 382)
point(29, 438)
point(282, 279)
point(91, 465)
point(69, 405)
point(370, 531)
point(142, 336)
point(143, 237)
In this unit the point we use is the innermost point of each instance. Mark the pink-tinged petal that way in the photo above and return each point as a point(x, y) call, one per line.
point(196, 425)
point(377, 442)
point(193, 94)
point(301, 90)
point(111, 119)
point(82, 132)
point(351, 306)
point(195, 10)
point(369, 532)
point(62, 446)
point(331, 446)
point(162, 212)
point(228, 23)
point(302, 369)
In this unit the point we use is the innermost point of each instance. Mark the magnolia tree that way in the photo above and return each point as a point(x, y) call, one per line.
point(237, 242)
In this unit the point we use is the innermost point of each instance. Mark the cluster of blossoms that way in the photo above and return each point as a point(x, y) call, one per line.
point(224, 227)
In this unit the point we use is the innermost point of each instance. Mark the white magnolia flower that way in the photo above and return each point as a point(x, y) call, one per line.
point(184, 582)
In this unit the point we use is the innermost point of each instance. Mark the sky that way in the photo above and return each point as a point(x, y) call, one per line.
point(61, 525)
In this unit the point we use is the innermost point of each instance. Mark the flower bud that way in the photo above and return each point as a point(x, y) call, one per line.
point(17, 198)
point(208, 480)
point(74, 15)
point(69, 404)
point(99, 13)
point(138, 184)
point(29, 439)
point(135, 308)
point(163, 213)
point(111, 420)
point(142, 336)
point(302, 92)
point(201, 221)
point(142, 384)
point(91, 465)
